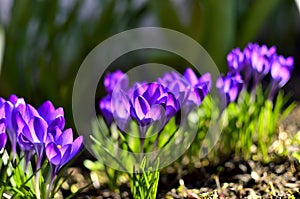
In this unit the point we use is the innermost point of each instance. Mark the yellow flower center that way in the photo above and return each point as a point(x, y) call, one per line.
point(59, 146)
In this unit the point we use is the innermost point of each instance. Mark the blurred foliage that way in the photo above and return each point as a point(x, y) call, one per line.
point(47, 40)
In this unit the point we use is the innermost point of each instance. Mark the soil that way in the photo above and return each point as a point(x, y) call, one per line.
point(233, 178)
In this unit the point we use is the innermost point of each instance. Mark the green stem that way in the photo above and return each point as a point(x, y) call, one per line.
point(37, 181)
point(51, 183)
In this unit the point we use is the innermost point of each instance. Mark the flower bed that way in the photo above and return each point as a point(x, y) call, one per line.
point(146, 126)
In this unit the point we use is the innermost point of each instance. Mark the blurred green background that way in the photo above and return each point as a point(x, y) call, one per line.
point(47, 40)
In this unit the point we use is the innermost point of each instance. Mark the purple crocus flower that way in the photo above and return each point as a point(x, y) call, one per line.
point(32, 133)
point(53, 117)
point(152, 103)
point(117, 78)
point(12, 106)
point(120, 107)
point(3, 136)
point(116, 108)
point(143, 99)
point(281, 69)
point(188, 89)
point(199, 86)
point(191, 77)
point(203, 86)
point(168, 78)
point(177, 85)
point(106, 110)
point(60, 147)
point(257, 62)
point(230, 86)
point(27, 147)
point(235, 60)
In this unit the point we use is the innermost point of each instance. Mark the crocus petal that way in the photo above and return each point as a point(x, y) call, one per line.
point(3, 139)
point(8, 107)
point(190, 76)
point(24, 143)
point(141, 107)
point(289, 61)
point(205, 79)
point(275, 72)
point(233, 93)
point(118, 78)
point(45, 109)
point(153, 91)
point(65, 152)
point(53, 154)
point(51, 116)
point(40, 128)
point(120, 105)
point(285, 76)
point(3, 125)
point(76, 147)
point(20, 122)
point(59, 122)
point(29, 113)
point(235, 60)
point(106, 109)
point(155, 112)
point(66, 137)
point(26, 131)
point(55, 132)
point(230, 86)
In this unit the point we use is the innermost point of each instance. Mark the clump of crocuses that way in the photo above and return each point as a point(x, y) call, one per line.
point(38, 135)
point(147, 116)
point(151, 104)
point(255, 63)
point(251, 90)
point(249, 114)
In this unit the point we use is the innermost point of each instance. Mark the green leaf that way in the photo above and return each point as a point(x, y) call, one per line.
point(93, 166)
point(166, 14)
point(220, 30)
point(254, 19)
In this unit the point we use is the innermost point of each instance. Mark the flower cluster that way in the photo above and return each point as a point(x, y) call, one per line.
point(152, 103)
point(37, 132)
point(247, 68)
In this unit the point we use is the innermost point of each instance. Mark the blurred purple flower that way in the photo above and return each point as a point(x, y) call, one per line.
point(235, 60)
point(117, 78)
point(230, 86)
point(106, 110)
point(191, 77)
point(188, 89)
point(177, 85)
point(204, 85)
point(281, 69)
point(3, 136)
point(199, 87)
point(257, 60)
point(60, 147)
point(120, 107)
point(168, 78)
